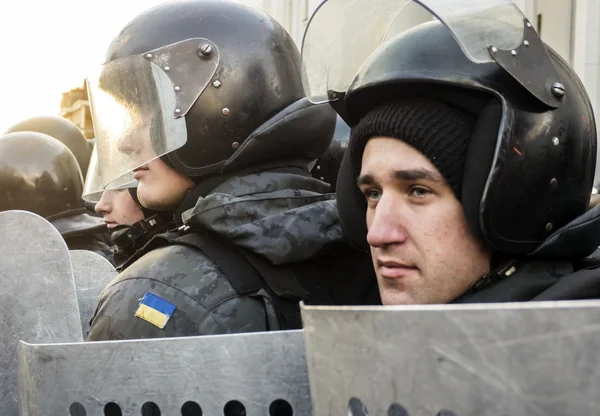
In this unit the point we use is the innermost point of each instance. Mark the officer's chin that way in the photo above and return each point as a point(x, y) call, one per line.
point(146, 194)
point(155, 197)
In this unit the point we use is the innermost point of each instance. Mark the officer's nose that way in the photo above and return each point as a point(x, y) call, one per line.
point(103, 206)
point(385, 222)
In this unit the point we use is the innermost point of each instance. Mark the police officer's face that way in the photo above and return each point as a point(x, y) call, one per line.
point(160, 187)
point(118, 208)
point(422, 249)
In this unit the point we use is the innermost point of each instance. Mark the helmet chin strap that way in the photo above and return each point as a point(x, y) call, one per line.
point(501, 271)
point(127, 235)
point(124, 236)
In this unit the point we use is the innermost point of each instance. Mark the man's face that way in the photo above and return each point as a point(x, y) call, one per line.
point(422, 248)
point(118, 208)
point(160, 187)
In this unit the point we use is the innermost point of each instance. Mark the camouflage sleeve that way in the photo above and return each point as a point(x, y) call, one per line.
point(171, 292)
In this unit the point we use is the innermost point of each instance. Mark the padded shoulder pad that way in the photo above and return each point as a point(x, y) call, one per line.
point(162, 262)
point(576, 240)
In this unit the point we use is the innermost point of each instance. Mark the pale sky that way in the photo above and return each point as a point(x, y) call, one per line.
point(49, 46)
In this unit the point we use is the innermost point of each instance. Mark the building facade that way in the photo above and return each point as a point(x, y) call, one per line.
point(75, 107)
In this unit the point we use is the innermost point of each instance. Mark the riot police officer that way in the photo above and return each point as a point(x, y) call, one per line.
point(203, 101)
point(472, 152)
point(130, 224)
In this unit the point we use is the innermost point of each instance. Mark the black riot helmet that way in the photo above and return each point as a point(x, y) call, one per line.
point(38, 174)
point(62, 130)
point(212, 86)
point(531, 158)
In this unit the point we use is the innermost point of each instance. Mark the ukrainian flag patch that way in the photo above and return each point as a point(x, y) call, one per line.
point(155, 310)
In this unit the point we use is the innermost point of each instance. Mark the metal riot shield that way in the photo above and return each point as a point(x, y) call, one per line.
point(472, 360)
point(254, 374)
point(37, 294)
point(92, 273)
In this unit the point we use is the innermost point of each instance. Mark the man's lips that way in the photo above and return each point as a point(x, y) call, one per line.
point(139, 172)
point(110, 224)
point(391, 269)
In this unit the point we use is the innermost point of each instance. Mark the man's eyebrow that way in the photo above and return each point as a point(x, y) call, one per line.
point(365, 180)
point(416, 174)
point(405, 175)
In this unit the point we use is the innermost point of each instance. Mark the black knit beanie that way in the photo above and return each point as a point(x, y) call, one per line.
point(438, 130)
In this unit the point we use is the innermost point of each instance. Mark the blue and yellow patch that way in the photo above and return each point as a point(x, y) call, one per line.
point(155, 310)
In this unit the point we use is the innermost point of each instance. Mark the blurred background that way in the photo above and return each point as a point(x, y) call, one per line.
point(49, 47)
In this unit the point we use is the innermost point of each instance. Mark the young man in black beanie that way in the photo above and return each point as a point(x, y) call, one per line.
point(470, 165)
point(413, 154)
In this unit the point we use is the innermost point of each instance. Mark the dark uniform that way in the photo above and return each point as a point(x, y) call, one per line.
point(258, 233)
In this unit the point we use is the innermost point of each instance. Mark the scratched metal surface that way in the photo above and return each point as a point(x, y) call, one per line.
point(37, 294)
point(473, 360)
point(254, 369)
point(92, 273)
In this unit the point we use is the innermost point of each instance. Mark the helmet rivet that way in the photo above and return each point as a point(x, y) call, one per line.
point(555, 141)
point(177, 88)
point(513, 52)
point(167, 68)
point(526, 43)
point(177, 111)
point(549, 227)
point(225, 111)
point(149, 56)
point(206, 49)
point(494, 49)
point(558, 90)
point(554, 183)
point(216, 83)
point(322, 178)
point(319, 167)
point(235, 145)
point(528, 24)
